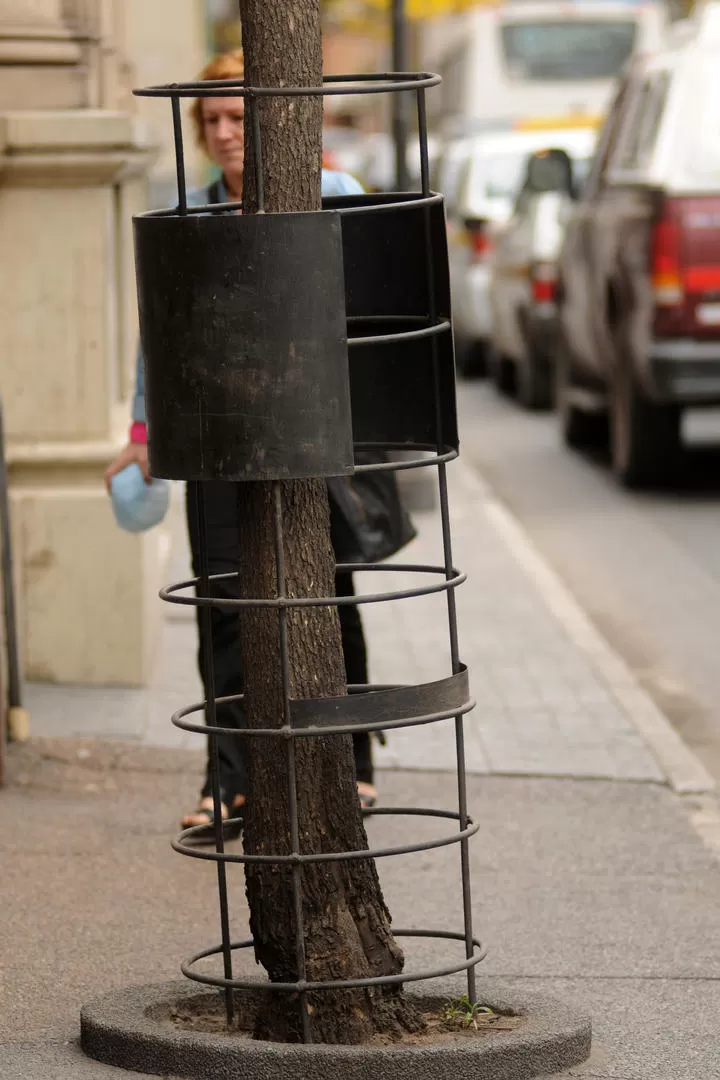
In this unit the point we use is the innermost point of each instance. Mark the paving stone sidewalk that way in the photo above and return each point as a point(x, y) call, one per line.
point(586, 887)
point(542, 709)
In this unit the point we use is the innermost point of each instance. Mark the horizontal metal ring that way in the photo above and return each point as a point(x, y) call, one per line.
point(419, 199)
point(285, 732)
point(169, 592)
point(400, 466)
point(479, 954)
point(189, 211)
point(329, 856)
point(380, 83)
point(439, 327)
point(416, 200)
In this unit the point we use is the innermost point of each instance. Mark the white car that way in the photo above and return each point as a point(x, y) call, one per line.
point(481, 176)
point(524, 268)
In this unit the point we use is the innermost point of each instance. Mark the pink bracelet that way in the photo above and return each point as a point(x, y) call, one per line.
point(138, 432)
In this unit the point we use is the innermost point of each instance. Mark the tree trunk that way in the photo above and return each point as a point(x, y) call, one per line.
point(346, 922)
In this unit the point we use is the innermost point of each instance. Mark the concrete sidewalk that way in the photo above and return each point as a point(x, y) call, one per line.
point(595, 873)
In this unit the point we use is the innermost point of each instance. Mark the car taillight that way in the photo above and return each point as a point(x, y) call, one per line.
point(685, 266)
point(479, 239)
point(544, 283)
point(665, 260)
point(702, 279)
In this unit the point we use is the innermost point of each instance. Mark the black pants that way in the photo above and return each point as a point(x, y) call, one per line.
point(223, 551)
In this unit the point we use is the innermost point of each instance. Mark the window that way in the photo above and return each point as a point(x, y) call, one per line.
point(452, 169)
point(581, 173)
point(497, 176)
point(703, 148)
point(608, 140)
point(577, 49)
point(638, 139)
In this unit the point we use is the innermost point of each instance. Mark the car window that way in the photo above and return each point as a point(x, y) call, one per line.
point(653, 117)
point(450, 173)
point(705, 155)
point(581, 172)
point(638, 138)
point(560, 49)
point(608, 141)
point(495, 176)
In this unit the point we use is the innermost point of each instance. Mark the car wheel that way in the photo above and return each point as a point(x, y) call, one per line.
point(580, 428)
point(471, 360)
point(501, 371)
point(645, 442)
point(535, 384)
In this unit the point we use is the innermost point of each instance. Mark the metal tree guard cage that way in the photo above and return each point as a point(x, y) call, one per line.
point(376, 363)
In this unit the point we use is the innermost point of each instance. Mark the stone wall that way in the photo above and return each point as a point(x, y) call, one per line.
point(75, 155)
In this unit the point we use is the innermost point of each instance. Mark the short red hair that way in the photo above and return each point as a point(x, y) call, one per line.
point(229, 65)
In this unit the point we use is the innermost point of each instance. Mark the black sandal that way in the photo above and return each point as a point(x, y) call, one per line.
point(205, 834)
point(368, 797)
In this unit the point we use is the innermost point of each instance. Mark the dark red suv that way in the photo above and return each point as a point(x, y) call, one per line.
point(640, 265)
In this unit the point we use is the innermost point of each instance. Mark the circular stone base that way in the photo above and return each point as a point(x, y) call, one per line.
point(131, 1029)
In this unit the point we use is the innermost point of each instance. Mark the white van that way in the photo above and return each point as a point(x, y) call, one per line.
point(554, 61)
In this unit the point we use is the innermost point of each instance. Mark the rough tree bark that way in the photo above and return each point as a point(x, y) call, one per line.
point(347, 924)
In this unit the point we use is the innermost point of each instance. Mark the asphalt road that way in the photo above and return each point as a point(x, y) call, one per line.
point(645, 567)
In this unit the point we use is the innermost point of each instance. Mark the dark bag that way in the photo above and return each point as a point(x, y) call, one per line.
point(368, 522)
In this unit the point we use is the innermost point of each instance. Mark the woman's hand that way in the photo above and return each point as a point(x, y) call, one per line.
point(135, 453)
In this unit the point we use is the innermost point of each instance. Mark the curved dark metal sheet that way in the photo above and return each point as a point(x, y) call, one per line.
point(391, 281)
point(242, 322)
point(377, 706)
point(384, 255)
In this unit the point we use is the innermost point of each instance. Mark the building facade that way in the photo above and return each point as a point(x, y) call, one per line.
point(77, 153)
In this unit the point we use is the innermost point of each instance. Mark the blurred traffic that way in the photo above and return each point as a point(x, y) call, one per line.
point(576, 146)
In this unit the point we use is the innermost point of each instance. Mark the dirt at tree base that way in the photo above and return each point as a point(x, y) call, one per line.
point(206, 1014)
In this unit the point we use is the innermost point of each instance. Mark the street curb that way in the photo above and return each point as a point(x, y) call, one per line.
point(131, 1029)
point(685, 773)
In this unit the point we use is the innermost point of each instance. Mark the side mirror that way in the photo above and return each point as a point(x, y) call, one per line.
point(549, 170)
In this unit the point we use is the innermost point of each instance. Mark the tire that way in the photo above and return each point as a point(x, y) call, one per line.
point(535, 384)
point(502, 372)
point(580, 429)
point(471, 360)
point(645, 437)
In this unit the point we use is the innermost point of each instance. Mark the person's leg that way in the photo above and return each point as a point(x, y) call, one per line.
point(355, 654)
point(222, 543)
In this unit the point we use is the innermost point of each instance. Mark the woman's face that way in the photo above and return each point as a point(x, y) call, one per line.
point(224, 128)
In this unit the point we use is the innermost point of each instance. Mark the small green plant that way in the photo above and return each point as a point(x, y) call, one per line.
point(463, 1013)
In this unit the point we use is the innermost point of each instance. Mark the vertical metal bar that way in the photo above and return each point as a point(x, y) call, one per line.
point(14, 693)
point(399, 99)
point(254, 105)
point(211, 721)
point(423, 137)
point(291, 764)
point(447, 552)
point(179, 154)
point(459, 737)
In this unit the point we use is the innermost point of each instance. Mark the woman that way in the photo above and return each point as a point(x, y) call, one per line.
point(219, 129)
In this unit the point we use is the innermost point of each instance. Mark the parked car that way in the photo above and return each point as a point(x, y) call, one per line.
point(480, 176)
point(523, 275)
point(639, 286)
